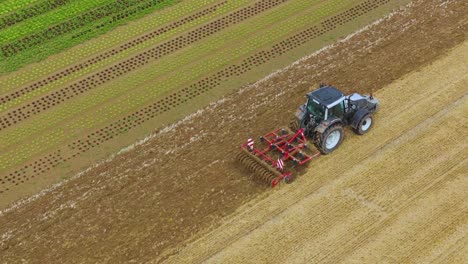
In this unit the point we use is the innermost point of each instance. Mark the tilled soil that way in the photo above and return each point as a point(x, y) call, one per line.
point(397, 195)
point(154, 197)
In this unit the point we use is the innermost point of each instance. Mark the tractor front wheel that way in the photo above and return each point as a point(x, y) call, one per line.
point(330, 140)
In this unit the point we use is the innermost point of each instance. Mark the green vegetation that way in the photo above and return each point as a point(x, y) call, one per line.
point(29, 12)
point(51, 39)
point(114, 38)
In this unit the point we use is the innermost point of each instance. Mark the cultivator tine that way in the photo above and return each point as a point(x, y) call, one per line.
point(276, 151)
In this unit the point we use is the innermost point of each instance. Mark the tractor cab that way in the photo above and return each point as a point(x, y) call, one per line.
point(325, 103)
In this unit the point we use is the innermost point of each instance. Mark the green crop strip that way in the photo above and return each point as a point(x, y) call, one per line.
point(247, 43)
point(12, 5)
point(30, 11)
point(43, 22)
point(70, 33)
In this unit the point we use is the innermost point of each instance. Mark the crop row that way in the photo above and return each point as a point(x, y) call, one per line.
point(152, 40)
point(30, 11)
point(186, 75)
point(77, 30)
point(18, 45)
point(37, 73)
point(165, 66)
point(99, 78)
point(7, 6)
point(53, 17)
point(66, 72)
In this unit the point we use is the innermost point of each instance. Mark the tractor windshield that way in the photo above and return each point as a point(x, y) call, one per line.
point(315, 108)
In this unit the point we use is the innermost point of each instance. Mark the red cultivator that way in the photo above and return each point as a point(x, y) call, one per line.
point(280, 149)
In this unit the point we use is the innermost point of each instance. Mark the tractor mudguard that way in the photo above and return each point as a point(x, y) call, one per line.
point(325, 124)
point(358, 116)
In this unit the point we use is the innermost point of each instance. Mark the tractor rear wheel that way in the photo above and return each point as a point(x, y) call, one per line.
point(294, 125)
point(364, 125)
point(329, 140)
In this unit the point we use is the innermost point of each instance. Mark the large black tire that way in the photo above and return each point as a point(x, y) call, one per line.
point(323, 141)
point(364, 125)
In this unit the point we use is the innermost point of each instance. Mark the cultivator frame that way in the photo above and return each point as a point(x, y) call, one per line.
point(286, 145)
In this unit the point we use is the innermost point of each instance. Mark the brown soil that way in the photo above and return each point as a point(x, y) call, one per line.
point(398, 198)
point(153, 198)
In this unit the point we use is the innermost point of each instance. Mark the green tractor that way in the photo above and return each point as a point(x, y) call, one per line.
point(326, 113)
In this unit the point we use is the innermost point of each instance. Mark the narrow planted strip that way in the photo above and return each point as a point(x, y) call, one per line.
point(31, 11)
point(75, 55)
point(42, 22)
point(7, 6)
point(181, 97)
point(14, 116)
point(117, 8)
point(108, 54)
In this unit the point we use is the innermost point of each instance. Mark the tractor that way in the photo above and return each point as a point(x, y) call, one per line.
point(326, 113)
point(321, 120)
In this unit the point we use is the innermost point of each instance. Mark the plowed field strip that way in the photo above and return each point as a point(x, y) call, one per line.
point(255, 238)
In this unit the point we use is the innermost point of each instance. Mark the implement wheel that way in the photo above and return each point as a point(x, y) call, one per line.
point(288, 179)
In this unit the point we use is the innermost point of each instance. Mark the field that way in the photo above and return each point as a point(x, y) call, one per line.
point(152, 109)
point(396, 186)
point(59, 116)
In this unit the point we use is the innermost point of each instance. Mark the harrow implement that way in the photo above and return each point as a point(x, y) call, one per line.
point(277, 151)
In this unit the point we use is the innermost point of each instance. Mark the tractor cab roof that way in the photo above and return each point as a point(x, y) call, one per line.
point(328, 96)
